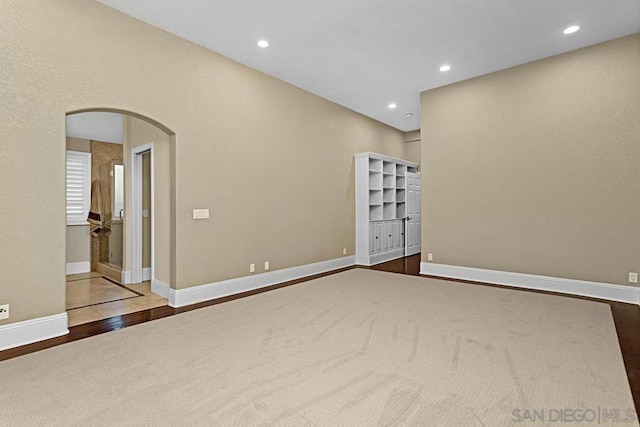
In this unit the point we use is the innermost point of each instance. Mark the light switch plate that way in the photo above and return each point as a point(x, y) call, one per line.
point(200, 213)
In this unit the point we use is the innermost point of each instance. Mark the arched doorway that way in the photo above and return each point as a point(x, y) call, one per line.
point(118, 248)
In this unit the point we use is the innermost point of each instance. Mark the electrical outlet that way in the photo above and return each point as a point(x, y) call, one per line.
point(344, 251)
point(4, 311)
point(252, 268)
point(633, 277)
point(266, 265)
point(429, 257)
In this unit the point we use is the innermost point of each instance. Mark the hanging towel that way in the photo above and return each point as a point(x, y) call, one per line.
point(97, 212)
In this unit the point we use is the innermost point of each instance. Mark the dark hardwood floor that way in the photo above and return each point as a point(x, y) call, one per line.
point(625, 316)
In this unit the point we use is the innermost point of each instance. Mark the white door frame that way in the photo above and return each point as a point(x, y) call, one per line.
point(136, 212)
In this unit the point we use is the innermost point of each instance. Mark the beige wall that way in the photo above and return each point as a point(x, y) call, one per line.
point(78, 144)
point(77, 236)
point(273, 163)
point(137, 133)
point(77, 239)
point(535, 169)
point(412, 146)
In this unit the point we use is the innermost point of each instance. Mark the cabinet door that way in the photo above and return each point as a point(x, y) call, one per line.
point(377, 236)
point(372, 237)
point(383, 236)
point(397, 235)
point(392, 235)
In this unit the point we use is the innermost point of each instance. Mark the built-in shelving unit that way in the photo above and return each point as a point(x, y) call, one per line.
point(380, 207)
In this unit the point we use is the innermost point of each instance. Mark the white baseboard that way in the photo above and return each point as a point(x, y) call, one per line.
point(195, 294)
point(160, 288)
point(125, 277)
point(381, 257)
point(30, 331)
point(78, 267)
point(606, 291)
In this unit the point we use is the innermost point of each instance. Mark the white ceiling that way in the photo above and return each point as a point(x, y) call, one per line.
point(365, 54)
point(98, 126)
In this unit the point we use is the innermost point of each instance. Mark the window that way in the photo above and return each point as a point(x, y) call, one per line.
point(78, 187)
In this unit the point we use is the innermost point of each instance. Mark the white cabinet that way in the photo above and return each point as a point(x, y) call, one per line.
point(385, 236)
point(381, 207)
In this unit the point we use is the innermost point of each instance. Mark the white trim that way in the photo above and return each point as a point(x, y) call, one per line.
point(125, 277)
point(160, 288)
point(135, 216)
point(385, 158)
point(34, 330)
point(137, 273)
point(78, 223)
point(195, 294)
point(606, 291)
point(78, 267)
point(146, 274)
point(380, 257)
point(152, 228)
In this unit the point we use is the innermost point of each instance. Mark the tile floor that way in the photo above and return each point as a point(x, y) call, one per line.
point(90, 297)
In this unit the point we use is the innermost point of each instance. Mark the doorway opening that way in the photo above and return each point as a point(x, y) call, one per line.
point(111, 232)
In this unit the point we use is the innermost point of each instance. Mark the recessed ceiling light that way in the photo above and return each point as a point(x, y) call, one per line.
point(445, 67)
point(263, 43)
point(392, 106)
point(408, 114)
point(572, 29)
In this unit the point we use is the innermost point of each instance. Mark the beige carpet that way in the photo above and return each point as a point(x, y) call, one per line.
point(358, 348)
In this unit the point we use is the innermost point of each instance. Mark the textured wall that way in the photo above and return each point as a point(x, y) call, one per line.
point(412, 146)
point(272, 162)
point(535, 169)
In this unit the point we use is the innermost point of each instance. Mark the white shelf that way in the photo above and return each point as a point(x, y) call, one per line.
point(388, 195)
point(375, 213)
point(380, 207)
point(389, 210)
point(375, 165)
point(389, 167)
point(389, 181)
point(375, 180)
point(375, 197)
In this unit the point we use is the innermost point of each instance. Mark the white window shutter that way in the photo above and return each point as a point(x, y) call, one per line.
point(78, 187)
